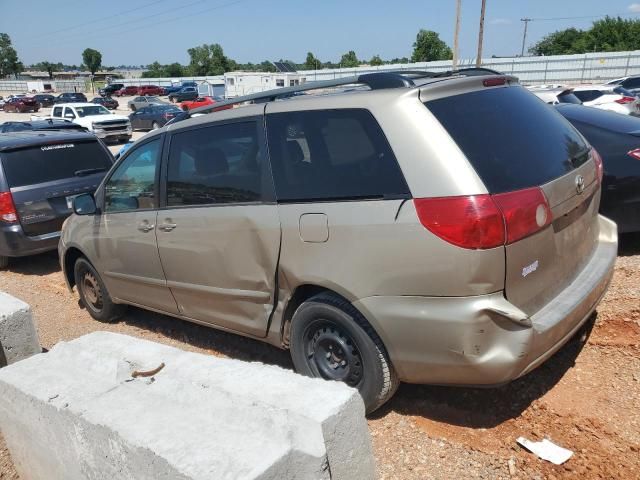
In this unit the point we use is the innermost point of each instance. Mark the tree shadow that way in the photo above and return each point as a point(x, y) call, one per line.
point(208, 338)
point(42, 264)
point(487, 407)
point(629, 244)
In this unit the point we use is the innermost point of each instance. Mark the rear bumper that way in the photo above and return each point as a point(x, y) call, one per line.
point(485, 340)
point(14, 242)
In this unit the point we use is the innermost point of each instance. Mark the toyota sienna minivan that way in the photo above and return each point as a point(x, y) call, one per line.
point(437, 229)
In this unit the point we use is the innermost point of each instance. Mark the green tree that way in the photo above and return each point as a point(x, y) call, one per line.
point(9, 63)
point(92, 60)
point(349, 60)
point(49, 67)
point(208, 60)
point(560, 43)
point(606, 35)
point(376, 61)
point(428, 47)
point(267, 66)
point(173, 70)
point(312, 63)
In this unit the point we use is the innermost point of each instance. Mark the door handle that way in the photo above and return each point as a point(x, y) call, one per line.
point(146, 227)
point(167, 227)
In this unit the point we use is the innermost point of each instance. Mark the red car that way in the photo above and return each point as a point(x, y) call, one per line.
point(201, 102)
point(144, 90)
point(21, 104)
point(127, 91)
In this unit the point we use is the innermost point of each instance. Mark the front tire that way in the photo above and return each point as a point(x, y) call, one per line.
point(330, 339)
point(155, 126)
point(93, 293)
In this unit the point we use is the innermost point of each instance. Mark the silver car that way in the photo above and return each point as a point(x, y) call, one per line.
point(426, 229)
point(137, 103)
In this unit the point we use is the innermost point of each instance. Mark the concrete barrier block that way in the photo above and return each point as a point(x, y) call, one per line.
point(18, 336)
point(76, 412)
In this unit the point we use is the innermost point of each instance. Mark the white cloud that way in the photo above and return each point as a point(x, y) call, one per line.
point(506, 21)
point(634, 7)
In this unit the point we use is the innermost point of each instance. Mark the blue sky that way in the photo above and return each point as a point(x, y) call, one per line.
point(142, 31)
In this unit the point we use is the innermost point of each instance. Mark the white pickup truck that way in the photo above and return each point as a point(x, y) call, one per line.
point(95, 118)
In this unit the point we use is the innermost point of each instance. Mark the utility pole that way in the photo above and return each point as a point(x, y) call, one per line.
point(456, 35)
point(480, 35)
point(524, 36)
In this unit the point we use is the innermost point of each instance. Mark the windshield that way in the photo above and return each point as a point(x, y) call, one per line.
point(92, 110)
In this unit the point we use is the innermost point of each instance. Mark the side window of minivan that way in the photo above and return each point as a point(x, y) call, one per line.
point(218, 164)
point(332, 155)
point(132, 184)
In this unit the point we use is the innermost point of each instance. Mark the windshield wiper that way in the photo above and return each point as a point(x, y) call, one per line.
point(88, 171)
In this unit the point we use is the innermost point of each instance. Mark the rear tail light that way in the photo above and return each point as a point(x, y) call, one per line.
point(8, 212)
point(598, 161)
point(634, 153)
point(625, 100)
point(485, 221)
point(494, 82)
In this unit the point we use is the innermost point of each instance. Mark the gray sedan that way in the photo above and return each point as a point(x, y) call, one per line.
point(140, 102)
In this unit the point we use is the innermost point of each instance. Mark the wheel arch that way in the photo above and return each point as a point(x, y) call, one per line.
point(71, 255)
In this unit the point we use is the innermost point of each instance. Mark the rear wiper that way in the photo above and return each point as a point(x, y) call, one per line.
point(88, 171)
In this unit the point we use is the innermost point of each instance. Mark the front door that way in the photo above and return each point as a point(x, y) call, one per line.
point(219, 235)
point(127, 247)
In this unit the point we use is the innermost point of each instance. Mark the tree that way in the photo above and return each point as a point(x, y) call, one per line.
point(349, 60)
point(606, 35)
point(92, 60)
point(428, 47)
point(376, 61)
point(208, 60)
point(560, 42)
point(173, 70)
point(49, 67)
point(311, 63)
point(9, 63)
point(267, 66)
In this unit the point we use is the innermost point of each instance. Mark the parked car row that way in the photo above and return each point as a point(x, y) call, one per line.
point(605, 97)
point(332, 226)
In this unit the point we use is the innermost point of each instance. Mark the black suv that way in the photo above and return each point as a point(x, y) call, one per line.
point(71, 97)
point(40, 173)
point(44, 100)
point(110, 89)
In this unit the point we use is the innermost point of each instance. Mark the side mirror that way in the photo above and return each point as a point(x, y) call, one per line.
point(84, 204)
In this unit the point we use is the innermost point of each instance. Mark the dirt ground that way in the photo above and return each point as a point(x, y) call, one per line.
point(586, 398)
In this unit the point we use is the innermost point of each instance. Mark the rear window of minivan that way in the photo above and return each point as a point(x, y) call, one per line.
point(47, 163)
point(511, 138)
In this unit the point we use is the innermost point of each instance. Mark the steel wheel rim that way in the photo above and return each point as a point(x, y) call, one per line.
point(332, 354)
point(91, 292)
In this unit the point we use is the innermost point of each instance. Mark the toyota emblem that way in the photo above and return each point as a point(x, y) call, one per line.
point(579, 184)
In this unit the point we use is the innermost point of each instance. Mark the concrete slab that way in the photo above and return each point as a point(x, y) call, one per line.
point(18, 336)
point(77, 413)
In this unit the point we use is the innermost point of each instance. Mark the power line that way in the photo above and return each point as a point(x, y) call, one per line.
point(93, 22)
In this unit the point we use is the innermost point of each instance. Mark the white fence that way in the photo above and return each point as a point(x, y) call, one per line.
point(59, 86)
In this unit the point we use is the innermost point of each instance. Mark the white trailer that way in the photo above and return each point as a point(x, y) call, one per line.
point(245, 83)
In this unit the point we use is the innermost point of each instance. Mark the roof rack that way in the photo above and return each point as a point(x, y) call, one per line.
point(375, 81)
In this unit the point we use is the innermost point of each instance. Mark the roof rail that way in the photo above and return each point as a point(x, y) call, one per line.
point(375, 81)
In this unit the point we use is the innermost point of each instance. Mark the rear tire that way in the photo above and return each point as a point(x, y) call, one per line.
point(4, 262)
point(330, 339)
point(155, 126)
point(133, 108)
point(93, 293)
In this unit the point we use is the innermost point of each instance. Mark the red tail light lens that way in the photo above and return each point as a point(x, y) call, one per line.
point(625, 100)
point(485, 221)
point(494, 82)
point(472, 222)
point(634, 153)
point(525, 212)
point(8, 212)
point(598, 161)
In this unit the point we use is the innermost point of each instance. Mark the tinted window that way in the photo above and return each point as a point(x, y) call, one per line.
point(512, 139)
point(57, 111)
point(331, 154)
point(569, 97)
point(53, 162)
point(631, 82)
point(132, 185)
point(218, 164)
point(601, 118)
point(588, 95)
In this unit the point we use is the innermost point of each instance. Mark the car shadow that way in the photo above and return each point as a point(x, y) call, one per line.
point(42, 264)
point(207, 338)
point(486, 407)
point(629, 244)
